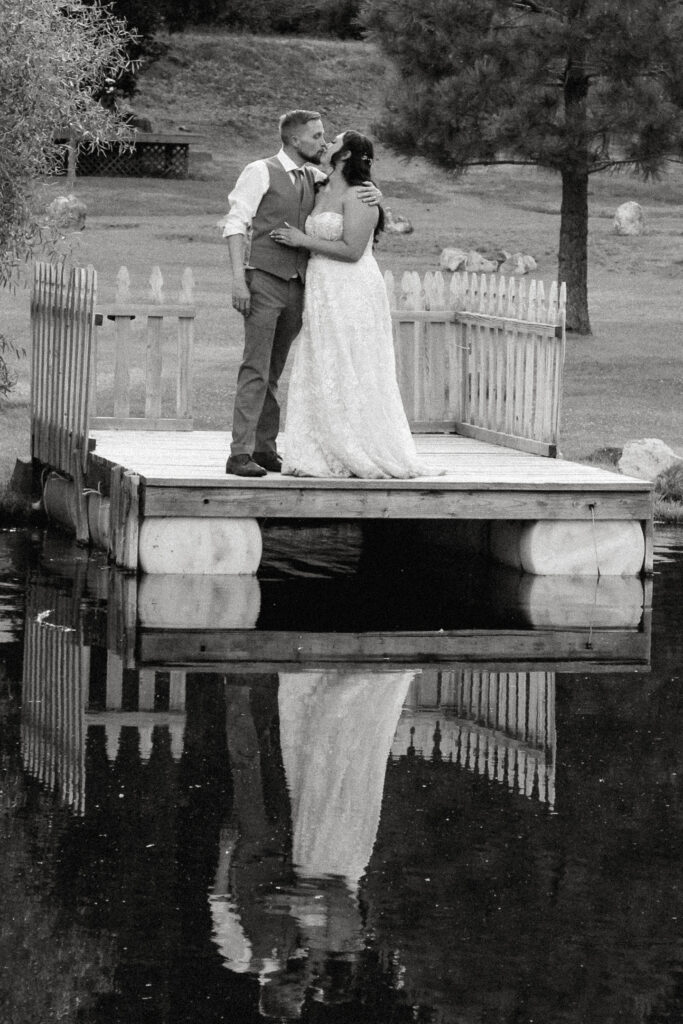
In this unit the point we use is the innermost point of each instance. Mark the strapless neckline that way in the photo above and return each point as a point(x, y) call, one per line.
point(328, 213)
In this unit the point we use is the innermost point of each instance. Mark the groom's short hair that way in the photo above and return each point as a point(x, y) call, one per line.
point(294, 119)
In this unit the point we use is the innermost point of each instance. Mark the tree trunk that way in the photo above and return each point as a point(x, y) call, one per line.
point(573, 254)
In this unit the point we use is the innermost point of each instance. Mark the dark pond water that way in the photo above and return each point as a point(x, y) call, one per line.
point(338, 795)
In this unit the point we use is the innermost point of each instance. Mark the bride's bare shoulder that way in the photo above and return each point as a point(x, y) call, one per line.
point(354, 205)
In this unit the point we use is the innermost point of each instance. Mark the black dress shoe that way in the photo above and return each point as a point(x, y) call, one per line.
point(243, 465)
point(269, 460)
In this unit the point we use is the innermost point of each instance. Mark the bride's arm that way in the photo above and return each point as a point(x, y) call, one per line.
point(359, 223)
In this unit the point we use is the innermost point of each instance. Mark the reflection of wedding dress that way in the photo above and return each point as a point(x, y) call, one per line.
point(345, 416)
point(336, 730)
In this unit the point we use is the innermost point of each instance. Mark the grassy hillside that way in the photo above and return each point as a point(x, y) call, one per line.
point(234, 87)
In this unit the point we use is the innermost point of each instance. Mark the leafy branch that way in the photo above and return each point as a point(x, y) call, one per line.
point(8, 377)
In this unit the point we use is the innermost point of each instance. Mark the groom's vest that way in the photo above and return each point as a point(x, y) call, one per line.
point(279, 204)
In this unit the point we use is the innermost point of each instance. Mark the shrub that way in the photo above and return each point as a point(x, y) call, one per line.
point(669, 483)
point(8, 377)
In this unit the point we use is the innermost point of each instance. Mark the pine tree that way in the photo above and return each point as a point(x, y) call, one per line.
point(577, 86)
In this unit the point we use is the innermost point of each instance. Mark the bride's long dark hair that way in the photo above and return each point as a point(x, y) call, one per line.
point(358, 167)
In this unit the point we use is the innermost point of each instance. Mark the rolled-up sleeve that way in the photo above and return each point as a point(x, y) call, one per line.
point(245, 197)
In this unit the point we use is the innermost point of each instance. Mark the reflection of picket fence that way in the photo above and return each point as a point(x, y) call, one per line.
point(55, 677)
point(70, 687)
point(498, 724)
point(80, 383)
point(481, 356)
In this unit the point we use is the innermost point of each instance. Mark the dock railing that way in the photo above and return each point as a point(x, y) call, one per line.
point(481, 356)
point(73, 373)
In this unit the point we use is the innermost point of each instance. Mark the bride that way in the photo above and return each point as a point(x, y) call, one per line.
point(345, 416)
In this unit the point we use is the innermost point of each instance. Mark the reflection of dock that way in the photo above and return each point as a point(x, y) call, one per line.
point(500, 725)
point(240, 623)
point(579, 624)
point(104, 651)
point(613, 650)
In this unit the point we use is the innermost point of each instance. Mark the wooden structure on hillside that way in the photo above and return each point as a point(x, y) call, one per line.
point(480, 371)
point(148, 155)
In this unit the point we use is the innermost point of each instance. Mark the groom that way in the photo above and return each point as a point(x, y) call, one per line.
point(268, 281)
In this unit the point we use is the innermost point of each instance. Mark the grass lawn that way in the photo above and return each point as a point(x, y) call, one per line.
point(624, 381)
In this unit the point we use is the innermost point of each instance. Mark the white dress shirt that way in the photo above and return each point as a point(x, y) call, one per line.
point(249, 190)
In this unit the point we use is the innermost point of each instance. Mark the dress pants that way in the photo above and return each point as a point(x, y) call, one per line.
point(272, 325)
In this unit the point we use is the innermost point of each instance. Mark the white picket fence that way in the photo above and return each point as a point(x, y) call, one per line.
point(481, 356)
point(144, 363)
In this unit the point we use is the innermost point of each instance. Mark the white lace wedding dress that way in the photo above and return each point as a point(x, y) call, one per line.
point(345, 416)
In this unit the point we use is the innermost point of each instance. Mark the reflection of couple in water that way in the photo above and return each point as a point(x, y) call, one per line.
point(301, 932)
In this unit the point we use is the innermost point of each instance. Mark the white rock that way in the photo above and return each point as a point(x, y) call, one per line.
point(67, 213)
point(514, 264)
point(396, 223)
point(646, 458)
point(629, 220)
point(518, 263)
point(478, 264)
point(452, 259)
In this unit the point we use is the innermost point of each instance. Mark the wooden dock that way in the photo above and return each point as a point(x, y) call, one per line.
point(479, 365)
point(183, 474)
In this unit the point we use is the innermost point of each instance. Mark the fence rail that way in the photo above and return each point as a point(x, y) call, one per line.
point(128, 348)
point(481, 356)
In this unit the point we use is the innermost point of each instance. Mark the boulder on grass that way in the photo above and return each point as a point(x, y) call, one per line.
point(496, 256)
point(518, 263)
point(67, 213)
point(629, 220)
point(646, 458)
point(452, 259)
point(396, 223)
point(478, 264)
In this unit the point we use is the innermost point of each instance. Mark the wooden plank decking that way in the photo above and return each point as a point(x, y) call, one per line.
point(184, 475)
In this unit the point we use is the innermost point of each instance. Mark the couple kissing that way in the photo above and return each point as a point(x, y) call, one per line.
point(300, 230)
